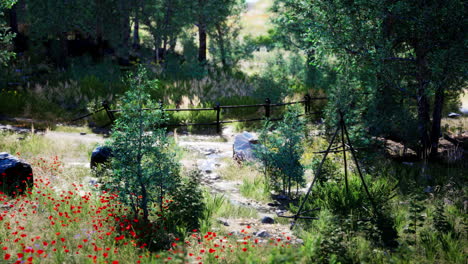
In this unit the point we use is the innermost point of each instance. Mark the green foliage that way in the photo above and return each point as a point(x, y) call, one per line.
point(188, 207)
point(416, 218)
point(281, 151)
point(138, 144)
point(6, 37)
point(440, 221)
point(330, 170)
point(225, 46)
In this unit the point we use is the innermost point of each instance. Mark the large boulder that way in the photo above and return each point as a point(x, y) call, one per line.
point(100, 155)
point(15, 175)
point(243, 146)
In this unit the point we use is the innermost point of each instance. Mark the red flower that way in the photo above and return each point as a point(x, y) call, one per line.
point(115, 262)
point(244, 249)
point(7, 256)
point(212, 250)
point(119, 238)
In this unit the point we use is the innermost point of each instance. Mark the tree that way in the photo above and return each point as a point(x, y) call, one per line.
point(226, 47)
point(6, 36)
point(165, 20)
point(281, 152)
point(292, 22)
point(144, 166)
point(209, 17)
point(399, 54)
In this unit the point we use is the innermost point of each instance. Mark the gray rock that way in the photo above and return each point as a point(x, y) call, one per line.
point(429, 189)
point(223, 221)
point(453, 115)
point(299, 241)
point(448, 201)
point(273, 204)
point(100, 155)
point(280, 212)
point(268, 220)
point(214, 177)
point(262, 233)
point(206, 166)
point(282, 197)
point(243, 147)
point(15, 174)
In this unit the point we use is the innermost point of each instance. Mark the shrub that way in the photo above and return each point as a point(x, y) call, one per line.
point(144, 168)
point(188, 205)
point(281, 151)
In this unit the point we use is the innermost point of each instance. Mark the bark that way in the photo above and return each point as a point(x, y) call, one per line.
point(201, 32)
point(123, 52)
point(136, 26)
point(423, 103)
point(222, 47)
point(202, 43)
point(99, 31)
point(436, 120)
point(13, 19)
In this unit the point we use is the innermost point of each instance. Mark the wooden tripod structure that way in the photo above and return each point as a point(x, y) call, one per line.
point(345, 146)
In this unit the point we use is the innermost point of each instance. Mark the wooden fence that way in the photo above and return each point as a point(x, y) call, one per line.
point(306, 102)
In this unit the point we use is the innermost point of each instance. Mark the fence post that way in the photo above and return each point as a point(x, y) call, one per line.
point(105, 104)
point(267, 107)
point(217, 108)
point(307, 104)
point(163, 115)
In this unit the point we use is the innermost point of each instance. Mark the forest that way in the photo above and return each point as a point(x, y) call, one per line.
point(233, 131)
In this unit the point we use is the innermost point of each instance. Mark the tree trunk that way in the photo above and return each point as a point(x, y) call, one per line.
point(310, 69)
point(123, 51)
point(202, 43)
point(136, 27)
point(436, 120)
point(99, 30)
point(222, 47)
point(201, 31)
point(13, 19)
point(423, 103)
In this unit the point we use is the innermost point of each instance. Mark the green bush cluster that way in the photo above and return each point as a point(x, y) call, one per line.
point(280, 152)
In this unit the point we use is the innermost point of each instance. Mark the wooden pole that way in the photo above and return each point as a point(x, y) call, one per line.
point(111, 116)
point(218, 113)
point(267, 108)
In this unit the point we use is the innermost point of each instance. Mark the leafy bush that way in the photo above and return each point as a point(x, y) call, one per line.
point(281, 151)
point(188, 205)
point(138, 144)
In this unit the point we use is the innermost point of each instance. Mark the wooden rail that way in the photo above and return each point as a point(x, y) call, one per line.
point(218, 108)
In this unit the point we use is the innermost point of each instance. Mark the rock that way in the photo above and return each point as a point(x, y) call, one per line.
point(243, 147)
point(206, 166)
point(453, 115)
point(448, 201)
point(280, 212)
point(15, 174)
point(214, 177)
point(100, 155)
point(281, 197)
point(223, 221)
point(429, 189)
point(268, 220)
point(262, 233)
point(299, 241)
point(273, 204)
